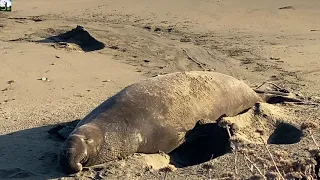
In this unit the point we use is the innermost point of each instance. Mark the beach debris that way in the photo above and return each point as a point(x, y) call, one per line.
point(185, 40)
point(10, 82)
point(115, 47)
point(201, 65)
point(44, 79)
point(157, 29)
point(148, 27)
point(287, 7)
point(274, 58)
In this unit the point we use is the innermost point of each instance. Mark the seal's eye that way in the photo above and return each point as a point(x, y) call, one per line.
point(89, 141)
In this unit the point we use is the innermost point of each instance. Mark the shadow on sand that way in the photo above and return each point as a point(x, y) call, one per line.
point(31, 154)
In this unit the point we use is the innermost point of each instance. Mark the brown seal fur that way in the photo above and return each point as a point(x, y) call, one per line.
point(153, 115)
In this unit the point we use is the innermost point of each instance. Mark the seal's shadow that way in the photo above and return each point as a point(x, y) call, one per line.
point(210, 141)
point(30, 154)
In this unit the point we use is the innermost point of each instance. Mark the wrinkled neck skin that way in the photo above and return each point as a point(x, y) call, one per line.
point(90, 145)
point(117, 146)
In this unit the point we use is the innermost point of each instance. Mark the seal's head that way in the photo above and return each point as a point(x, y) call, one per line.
point(81, 148)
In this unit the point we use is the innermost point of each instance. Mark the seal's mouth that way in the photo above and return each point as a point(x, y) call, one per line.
point(72, 162)
point(83, 159)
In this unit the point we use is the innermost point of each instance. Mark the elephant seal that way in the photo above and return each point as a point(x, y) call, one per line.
point(153, 115)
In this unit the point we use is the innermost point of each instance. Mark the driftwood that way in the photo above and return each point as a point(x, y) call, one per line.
point(194, 60)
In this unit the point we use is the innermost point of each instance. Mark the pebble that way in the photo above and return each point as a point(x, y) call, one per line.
point(10, 81)
point(157, 29)
point(274, 58)
point(44, 79)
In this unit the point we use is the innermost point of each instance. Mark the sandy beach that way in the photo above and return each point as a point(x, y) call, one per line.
point(45, 81)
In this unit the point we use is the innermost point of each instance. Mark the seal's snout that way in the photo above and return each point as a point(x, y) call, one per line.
point(73, 155)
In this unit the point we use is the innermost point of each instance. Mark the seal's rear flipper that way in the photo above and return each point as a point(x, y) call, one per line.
point(272, 93)
point(274, 97)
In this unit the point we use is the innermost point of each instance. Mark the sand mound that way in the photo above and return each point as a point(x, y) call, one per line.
point(77, 39)
point(132, 167)
point(264, 122)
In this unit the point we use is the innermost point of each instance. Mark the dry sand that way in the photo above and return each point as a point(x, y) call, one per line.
point(256, 41)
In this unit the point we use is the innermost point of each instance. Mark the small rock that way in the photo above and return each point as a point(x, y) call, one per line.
point(147, 27)
point(114, 47)
point(44, 79)
point(274, 58)
point(169, 168)
point(274, 77)
point(10, 82)
point(185, 40)
point(106, 80)
point(146, 61)
point(207, 166)
point(287, 7)
point(138, 174)
point(57, 56)
point(157, 29)
point(170, 29)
